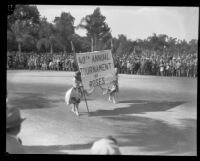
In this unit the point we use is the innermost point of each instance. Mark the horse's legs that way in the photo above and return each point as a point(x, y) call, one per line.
point(114, 98)
point(76, 109)
point(73, 108)
point(110, 97)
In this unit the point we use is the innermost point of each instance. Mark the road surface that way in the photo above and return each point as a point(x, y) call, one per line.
point(154, 116)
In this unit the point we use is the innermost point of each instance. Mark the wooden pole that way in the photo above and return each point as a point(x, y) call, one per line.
point(73, 49)
point(85, 98)
point(84, 94)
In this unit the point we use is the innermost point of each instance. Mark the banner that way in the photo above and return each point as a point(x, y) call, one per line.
point(97, 68)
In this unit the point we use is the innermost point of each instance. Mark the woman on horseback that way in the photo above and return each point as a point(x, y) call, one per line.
point(74, 94)
point(113, 89)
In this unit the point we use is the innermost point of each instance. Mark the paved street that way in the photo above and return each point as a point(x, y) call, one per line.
point(154, 116)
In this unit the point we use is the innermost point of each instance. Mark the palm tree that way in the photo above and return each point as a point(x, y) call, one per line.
point(96, 27)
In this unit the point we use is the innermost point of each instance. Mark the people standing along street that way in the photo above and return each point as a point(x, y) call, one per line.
point(161, 68)
point(183, 65)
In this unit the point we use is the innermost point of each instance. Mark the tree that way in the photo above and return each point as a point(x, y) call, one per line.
point(81, 44)
point(46, 36)
point(184, 47)
point(115, 45)
point(20, 31)
point(104, 42)
point(158, 43)
point(24, 13)
point(23, 24)
point(11, 43)
point(97, 28)
point(125, 46)
point(64, 26)
point(171, 45)
point(193, 46)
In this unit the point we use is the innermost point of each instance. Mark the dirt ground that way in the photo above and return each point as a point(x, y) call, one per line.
point(154, 116)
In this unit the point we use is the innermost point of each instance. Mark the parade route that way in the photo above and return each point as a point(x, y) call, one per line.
point(154, 116)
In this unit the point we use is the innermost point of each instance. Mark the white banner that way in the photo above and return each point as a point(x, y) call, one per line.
point(97, 68)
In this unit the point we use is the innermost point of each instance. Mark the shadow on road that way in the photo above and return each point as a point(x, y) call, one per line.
point(37, 100)
point(33, 101)
point(155, 135)
point(138, 106)
point(147, 134)
point(56, 149)
point(150, 134)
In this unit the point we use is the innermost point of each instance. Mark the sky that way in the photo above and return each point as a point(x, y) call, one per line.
point(136, 22)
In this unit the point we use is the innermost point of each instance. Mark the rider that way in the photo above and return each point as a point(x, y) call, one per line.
point(74, 94)
point(113, 89)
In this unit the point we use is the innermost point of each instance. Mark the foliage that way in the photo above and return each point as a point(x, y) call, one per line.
point(64, 26)
point(26, 31)
point(97, 29)
point(46, 36)
point(24, 13)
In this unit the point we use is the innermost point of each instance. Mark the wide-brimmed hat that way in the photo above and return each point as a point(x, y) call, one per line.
point(13, 118)
point(105, 146)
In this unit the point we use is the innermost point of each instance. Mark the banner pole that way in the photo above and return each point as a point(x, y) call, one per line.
point(81, 80)
point(85, 98)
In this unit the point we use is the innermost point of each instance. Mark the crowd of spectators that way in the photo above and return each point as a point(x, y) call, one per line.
point(181, 66)
point(42, 61)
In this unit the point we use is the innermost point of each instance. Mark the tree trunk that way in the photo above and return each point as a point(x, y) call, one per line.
point(51, 49)
point(64, 50)
point(92, 45)
point(19, 47)
point(95, 43)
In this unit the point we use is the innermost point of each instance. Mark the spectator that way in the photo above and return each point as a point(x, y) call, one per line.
point(167, 69)
point(129, 66)
point(184, 65)
point(105, 146)
point(161, 68)
point(13, 127)
point(178, 68)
